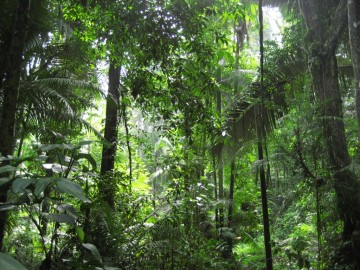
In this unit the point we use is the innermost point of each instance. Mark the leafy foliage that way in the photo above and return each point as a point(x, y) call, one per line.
point(185, 182)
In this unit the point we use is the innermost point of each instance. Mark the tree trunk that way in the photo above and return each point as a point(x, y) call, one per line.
point(111, 134)
point(260, 134)
point(215, 190)
point(346, 184)
point(353, 7)
point(323, 39)
point(231, 206)
point(220, 165)
point(11, 93)
point(265, 210)
point(127, 133)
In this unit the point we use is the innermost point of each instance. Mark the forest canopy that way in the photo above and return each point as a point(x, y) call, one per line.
point(179, 134)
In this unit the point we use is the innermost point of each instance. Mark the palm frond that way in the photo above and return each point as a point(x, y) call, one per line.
point(68, 82)
point(91, 128)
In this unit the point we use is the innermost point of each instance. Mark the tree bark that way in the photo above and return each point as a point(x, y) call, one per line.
point(215, 190)
point(110, 134)
point(127, 133)
point(11, 94)
point(231, 206)
point(260, 134)
point(323, 40)
point(219, 149)
point(353, 7)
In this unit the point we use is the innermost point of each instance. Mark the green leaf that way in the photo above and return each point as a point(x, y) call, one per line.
point(67, 146)
point(89, 158)
point(18, 161)
point(48, 147)
point(7, 168)
point(23, 199)
point(65, 186)
point(61, 218)
point(55, 167)
point(70, 209)
point(41, 185)
point(4, 180)
point(41, 157)
point(6, 207)
point(9, 263)
point(93, 250)
point(20, 184)
point(86, 142)
point(80, 234)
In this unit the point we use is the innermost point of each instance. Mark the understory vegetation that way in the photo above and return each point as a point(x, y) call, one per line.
point(179, 134)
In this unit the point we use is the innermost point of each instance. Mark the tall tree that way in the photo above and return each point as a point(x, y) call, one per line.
point(353, 7)
point(260, 135)
point(323, 37)
point(111, 132)
point(11, 93)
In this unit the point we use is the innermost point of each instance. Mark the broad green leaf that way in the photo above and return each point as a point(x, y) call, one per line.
point(56, 168)
point(61, 218)
point(93, 250)
point(6, 207)
point(89, 158)
point(66, 207)
point(23, 199)
point(65, 186)
point(41, 185)
point(9, 263)
point(70, 209)
point(42, 157)
point(67, 146)
point(48, 147)
point(7, 168)
point(17, 161)
point(20, 184)
point(80, 233)
point(4, 180)
point(86, 142)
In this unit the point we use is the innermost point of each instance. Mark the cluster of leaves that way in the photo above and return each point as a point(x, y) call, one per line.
point(189, 92)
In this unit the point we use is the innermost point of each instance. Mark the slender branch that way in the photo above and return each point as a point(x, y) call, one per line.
point(37, 225)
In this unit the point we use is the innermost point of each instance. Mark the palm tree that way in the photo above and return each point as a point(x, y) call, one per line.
point(10, 79)
point(42, 88)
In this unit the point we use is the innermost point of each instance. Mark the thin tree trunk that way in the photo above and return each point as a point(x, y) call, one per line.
point(188, 178)
point(231, 205)
point(215, 191)
point(220, 165)
point(123, 105)
point(265, 210)
point(221, 185)
point(318, 226)
point(260, 131)
point(325, 83)
point(353, 7)
point(263, 187)
point(241, 31)
point(11, 94)
point(111, 134)
point(231, 193)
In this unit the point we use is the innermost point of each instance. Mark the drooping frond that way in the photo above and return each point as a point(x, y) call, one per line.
point(68, 82)
point(91, 128)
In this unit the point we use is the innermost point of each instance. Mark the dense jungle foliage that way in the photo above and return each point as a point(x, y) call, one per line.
point(179, 134)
